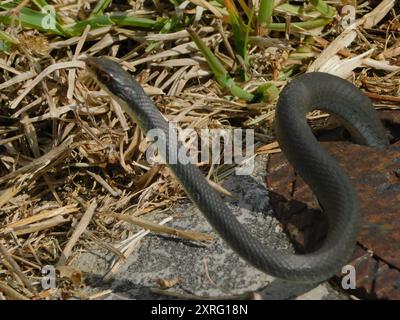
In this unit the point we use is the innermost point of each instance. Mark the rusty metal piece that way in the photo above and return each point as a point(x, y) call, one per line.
point(376, 177)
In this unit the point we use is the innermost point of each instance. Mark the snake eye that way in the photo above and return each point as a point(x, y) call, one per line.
point(104, 77)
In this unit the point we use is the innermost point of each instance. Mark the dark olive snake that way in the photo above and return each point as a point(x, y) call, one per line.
point(318, 169)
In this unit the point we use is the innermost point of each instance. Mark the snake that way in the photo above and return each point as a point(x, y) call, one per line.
point(329, 183)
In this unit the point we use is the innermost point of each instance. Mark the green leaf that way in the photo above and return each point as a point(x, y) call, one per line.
point(7, 38)
point(100, 7)
point(40, 3)
point(300, 26)
point(218, 69)
point(265, 13)
point(169, 25)
point(267, 92)
point(122, 19)
point(95, 22)
point(216, 66)
point(326, 10)
point(240, 34)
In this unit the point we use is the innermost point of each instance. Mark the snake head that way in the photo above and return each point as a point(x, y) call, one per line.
point(110, 76)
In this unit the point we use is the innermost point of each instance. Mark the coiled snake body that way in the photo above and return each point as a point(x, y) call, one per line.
point(326, 179)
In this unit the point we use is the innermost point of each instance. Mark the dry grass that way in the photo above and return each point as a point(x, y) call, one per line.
point(72, 166)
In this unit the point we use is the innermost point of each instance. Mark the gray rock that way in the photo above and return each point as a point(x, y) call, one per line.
point(212, 270)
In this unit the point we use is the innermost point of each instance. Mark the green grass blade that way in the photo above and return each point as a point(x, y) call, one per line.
point(236, 21)
point(34, 19)
point(40, 3)
point(240, 93)
point(267, 92)
point(169, 25)
point(216, 66)
point(122, 19)
point(100, 7)
point(245, 8)
point(298, 11)
point(6, 41)
point(218, 69)
point(326, 10)
point(300, 26)
point(7, 38)
point(240, 35)
point(95, 22)
point(265, 13)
